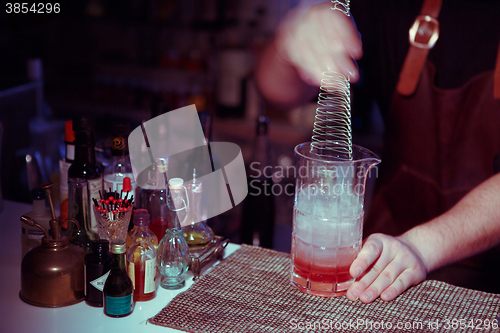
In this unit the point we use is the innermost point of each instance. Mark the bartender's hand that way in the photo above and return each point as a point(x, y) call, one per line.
point(386, 266)
point(318, 40)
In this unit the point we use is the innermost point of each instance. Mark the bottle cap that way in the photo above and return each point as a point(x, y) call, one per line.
point(175, 183)
point(69, 134)
point(127, 185)
point(161, 164)
point(38, 194)
point(141, 218)
point(100, 246)
point(118, 248)
point(84, 124)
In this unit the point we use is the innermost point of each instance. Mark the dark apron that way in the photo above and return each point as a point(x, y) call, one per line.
point(439, 145)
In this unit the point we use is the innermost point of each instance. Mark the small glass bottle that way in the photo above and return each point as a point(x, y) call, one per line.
point(97, 268)
point(31, 237)
point(141, 229)
point(118, 289)
point(141, 260)
point(197, 233)
point(173, 253)
point(158, 201)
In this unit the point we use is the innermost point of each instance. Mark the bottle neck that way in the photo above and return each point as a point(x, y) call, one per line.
point(261, 144)
point(119, 261)
point(84, 147)
point(161, 181)
point(39, 206)
point(142, 231)
point(194, 195)
point(173, 221)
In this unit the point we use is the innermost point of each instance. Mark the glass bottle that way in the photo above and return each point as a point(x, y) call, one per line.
point(64, 164)
point(257, 223)
point(141, 260)
point(196, 232)
point(97, 268)
point(31, 237)
point(119, 166)
point(118, 288)
point(145, 182)
point(158, 201)
point(173, 253)
point(84, 182)
point(141, 229)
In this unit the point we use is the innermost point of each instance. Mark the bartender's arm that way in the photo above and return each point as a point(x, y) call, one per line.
point(389, 265)
point(288, 74)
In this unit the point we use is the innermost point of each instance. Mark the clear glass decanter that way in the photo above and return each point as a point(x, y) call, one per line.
point(173, 253)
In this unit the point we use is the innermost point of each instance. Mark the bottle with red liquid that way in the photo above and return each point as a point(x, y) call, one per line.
point(158, 201)
point(141, 260)
point(64, 164)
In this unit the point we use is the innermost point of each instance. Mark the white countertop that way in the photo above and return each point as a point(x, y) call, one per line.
point(17, 316)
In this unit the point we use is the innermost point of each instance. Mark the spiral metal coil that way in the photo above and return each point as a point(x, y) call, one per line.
point(333, 117)
point(332, 134)
point(342, 5)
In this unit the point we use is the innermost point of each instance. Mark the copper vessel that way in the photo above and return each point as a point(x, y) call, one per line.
point(52, 274)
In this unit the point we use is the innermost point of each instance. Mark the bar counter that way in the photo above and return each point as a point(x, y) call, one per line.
point(18, 316)
point(248, 291)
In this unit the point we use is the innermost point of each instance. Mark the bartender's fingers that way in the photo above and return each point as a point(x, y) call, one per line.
point(387, 277)
point(405, 280)
point(370, 252)
point(371, 261)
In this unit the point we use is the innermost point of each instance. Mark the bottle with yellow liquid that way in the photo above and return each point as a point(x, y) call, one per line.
point(196, 232)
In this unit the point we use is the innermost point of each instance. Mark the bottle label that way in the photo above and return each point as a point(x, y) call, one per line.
point(95, 185)
point(99, 282)
point(149, 266)
point(116, 184)
point(70, 152)
point(149, 277)
point(119, 144)
point(35, 234)
point(118, 306)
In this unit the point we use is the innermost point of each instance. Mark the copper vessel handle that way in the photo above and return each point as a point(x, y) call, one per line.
point(70, 219)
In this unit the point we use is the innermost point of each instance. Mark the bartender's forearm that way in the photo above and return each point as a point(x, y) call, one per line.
point(470, 227)
point(279, 83)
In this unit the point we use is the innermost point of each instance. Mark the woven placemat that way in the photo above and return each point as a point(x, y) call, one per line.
point(250, 291)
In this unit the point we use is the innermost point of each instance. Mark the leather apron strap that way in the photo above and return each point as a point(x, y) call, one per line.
point(496, 86)
point(423, 36)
